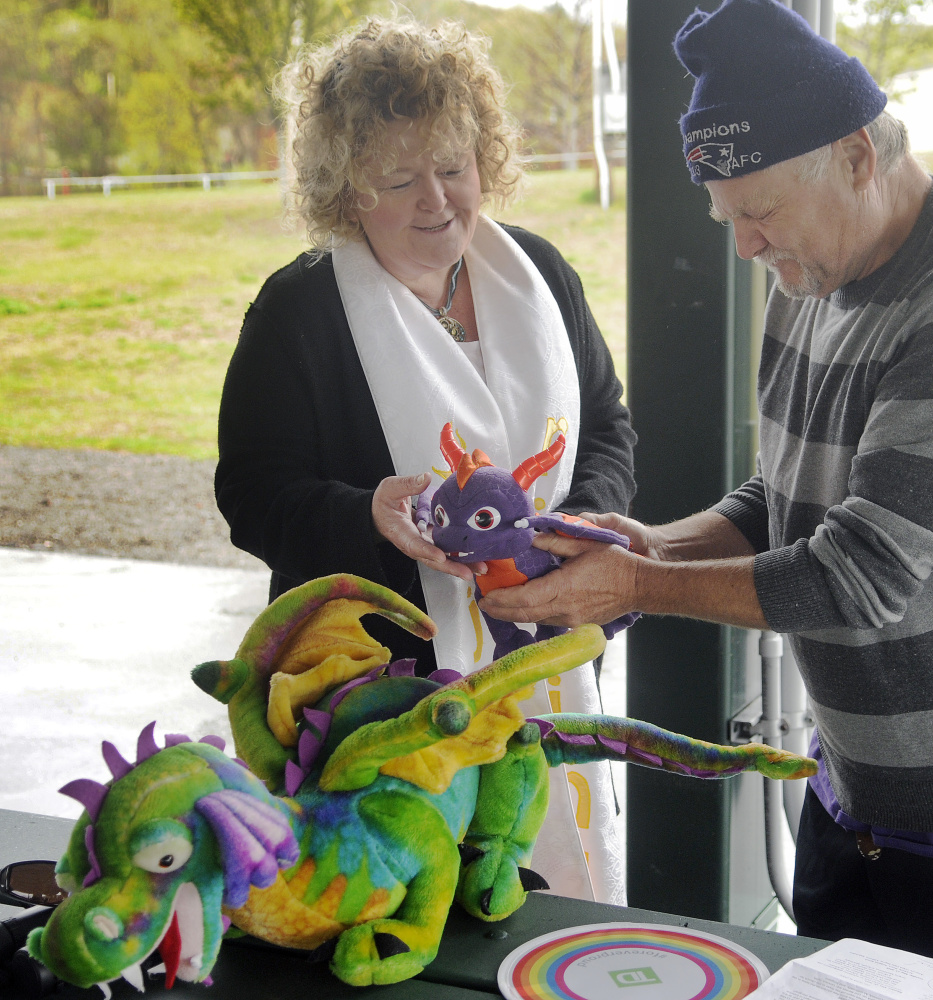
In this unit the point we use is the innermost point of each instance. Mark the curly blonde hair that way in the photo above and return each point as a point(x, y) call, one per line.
point(344, 94)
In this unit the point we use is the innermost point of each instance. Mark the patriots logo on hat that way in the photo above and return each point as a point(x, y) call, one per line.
point(717, 155)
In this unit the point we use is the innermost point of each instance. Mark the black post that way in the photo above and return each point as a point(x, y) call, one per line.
point(680, 392)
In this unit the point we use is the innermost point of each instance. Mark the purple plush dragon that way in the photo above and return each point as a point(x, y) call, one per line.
point(482, 513)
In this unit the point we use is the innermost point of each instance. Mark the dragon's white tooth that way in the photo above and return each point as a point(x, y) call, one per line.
point(105, 989)
point(133, 974)
point(156, 970)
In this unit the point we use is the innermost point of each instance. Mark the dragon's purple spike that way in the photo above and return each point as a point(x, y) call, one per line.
point(89, 793)
point(225, 922)
point(294, 776)
point(95, 873)
point(577, 739)
point(356, 682)
point(544, 725)
point(402, 668)
point(218, 742)
point(652, 759)
point(146, 745)
point(241, 762)
point(309, 746)
point(445, 676)
point(174, 739)
point(114, 760)
point(319, 720)
point(618, 746)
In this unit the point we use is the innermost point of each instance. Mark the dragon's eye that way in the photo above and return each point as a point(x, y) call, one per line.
point(440, 516)
point(485, 518)
point(165, 855)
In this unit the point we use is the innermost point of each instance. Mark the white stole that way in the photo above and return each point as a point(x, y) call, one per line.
point(420, 379)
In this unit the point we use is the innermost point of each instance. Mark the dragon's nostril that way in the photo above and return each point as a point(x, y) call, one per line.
point(103, 924)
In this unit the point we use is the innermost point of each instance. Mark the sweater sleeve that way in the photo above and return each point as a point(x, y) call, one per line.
point(873, 552)
point(747, 509)
point(299, 460)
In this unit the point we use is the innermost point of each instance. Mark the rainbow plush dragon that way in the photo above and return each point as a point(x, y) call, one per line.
point(371, 801)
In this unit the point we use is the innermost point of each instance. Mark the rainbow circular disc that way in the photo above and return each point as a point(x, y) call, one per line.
point(630, 962)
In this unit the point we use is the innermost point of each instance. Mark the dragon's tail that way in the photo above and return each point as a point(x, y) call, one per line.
point(577, 739)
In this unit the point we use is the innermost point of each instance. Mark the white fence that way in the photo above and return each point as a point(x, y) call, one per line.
point(106, 184)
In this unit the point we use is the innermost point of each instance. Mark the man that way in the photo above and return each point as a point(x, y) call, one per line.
point(833, 541)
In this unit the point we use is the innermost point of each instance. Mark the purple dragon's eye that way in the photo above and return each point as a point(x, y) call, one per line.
point(440, 516)
point(485, 518)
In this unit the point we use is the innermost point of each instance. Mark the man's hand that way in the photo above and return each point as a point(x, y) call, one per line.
point(598, 583)
point(641, 536)
point(595, 583)
point(392, 522)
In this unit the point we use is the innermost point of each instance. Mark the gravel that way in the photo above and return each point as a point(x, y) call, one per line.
point(155, 507)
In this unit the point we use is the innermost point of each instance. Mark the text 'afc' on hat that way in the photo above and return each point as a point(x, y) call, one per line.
point(767, 88)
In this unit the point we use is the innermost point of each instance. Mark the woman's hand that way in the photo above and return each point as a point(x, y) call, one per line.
point(393, 522)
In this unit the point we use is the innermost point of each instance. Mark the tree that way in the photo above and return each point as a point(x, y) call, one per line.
point(886, 36)
point(81, 110)
point(259, 37)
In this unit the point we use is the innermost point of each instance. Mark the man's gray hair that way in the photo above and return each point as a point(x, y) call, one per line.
point(888, 135)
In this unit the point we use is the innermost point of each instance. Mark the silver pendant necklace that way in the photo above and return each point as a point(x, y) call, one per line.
point(452, 326)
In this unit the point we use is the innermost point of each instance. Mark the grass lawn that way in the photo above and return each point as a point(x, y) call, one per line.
point(118, 315)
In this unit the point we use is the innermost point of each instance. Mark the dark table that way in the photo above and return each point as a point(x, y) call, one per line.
point(465, 968)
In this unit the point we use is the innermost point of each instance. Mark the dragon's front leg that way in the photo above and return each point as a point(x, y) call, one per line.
point(510, 808)
point(392, 949)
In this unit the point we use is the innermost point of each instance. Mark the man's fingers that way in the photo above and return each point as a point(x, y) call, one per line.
point(530, 602)
point(563, 545)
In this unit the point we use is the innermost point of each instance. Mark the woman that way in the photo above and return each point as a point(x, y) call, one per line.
point(411, 310)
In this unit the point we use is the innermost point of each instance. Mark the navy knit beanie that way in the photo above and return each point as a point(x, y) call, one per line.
point(767, 88)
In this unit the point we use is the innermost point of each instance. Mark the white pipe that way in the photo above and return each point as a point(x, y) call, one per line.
point(771, 648)
point(612, 56)
point(599, 147)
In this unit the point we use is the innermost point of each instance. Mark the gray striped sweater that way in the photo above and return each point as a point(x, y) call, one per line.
point(841, 515)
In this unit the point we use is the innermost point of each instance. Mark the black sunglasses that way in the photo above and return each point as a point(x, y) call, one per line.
point(30, 883)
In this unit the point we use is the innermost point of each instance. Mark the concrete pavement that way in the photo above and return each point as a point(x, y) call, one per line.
point(93, 648)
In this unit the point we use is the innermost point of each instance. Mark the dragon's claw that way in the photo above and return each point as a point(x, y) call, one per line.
point(377, 954)
point(531, 880)
point(468, 854)
point(388, 945)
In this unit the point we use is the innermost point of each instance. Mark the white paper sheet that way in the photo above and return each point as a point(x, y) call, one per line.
point(852, 970)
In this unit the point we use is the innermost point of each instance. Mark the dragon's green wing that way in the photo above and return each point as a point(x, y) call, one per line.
point(306, 642)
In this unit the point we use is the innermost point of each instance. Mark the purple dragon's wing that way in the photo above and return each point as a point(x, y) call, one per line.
point(577, 529)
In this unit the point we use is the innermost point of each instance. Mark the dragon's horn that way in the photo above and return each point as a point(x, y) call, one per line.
point(538, 464)
point(469, 464)
point(450, 448)
point(458, 460)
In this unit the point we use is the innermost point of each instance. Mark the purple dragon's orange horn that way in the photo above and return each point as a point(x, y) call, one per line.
point(451, 451)
point(469, 464)
point(533, 467)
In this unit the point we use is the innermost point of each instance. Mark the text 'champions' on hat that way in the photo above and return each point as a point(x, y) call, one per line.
point(767, 88)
